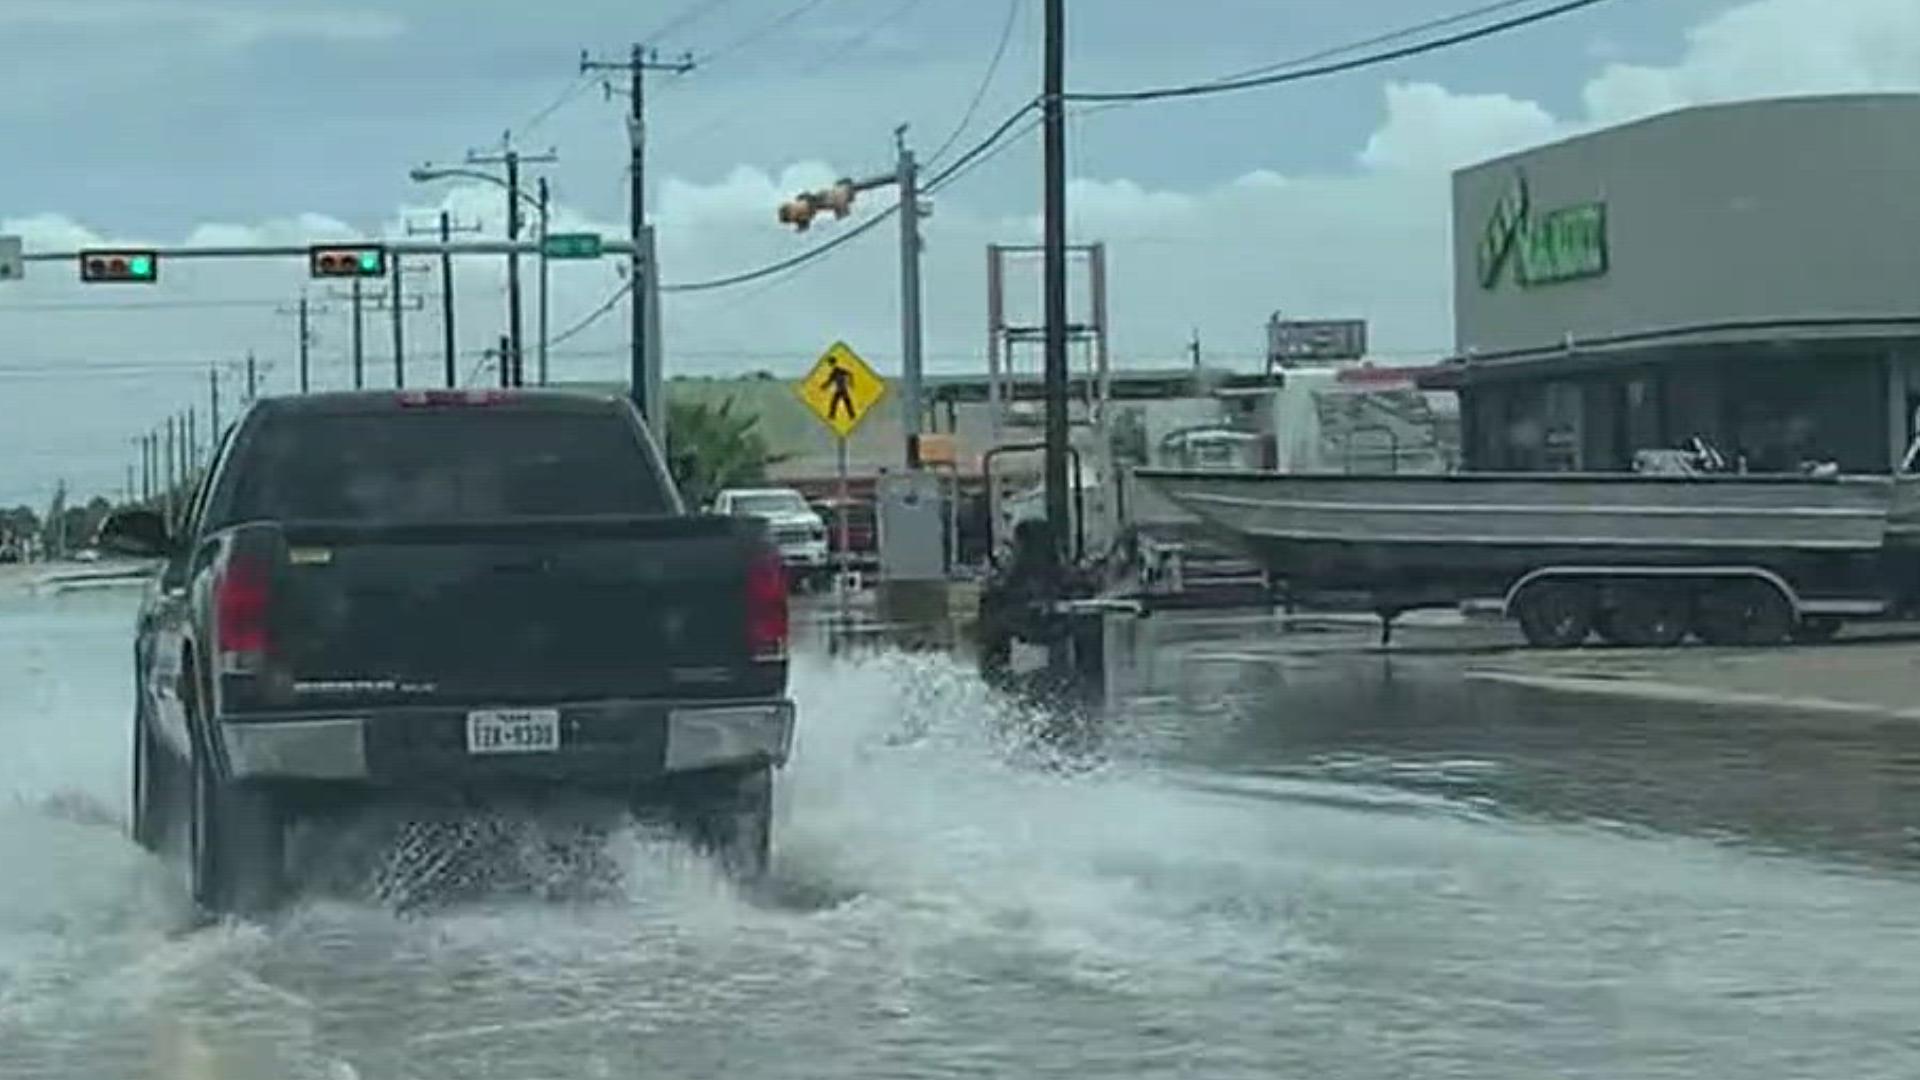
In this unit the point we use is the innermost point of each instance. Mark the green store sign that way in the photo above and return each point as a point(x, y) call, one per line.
point(1558, 245)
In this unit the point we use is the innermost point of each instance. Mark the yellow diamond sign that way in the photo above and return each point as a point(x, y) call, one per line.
point(841, 389)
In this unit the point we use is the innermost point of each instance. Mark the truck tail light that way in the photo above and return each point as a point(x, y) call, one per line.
point(767, 607)
point(242, 595)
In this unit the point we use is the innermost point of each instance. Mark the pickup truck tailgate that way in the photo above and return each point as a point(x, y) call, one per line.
point(522, 611)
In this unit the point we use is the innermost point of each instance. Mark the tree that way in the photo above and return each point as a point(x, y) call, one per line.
point(709, 448)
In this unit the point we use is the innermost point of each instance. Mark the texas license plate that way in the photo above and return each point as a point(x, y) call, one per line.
point(513, 731)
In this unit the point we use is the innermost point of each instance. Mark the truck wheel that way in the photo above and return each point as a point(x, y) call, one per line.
point(1555, 614)
point(730, 815)
point(237, 844)
point(156, 786)
point(1646, 614)
point(1742, 612)
point(1815, 629)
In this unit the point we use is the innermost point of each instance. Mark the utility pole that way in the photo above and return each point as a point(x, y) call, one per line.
point(645, 278)
point(399, 326)
point(305, 310)
point(545, 195)
point(450, 351)
point(513, 159)
point(172, 461)
point(192, 448)
point(1054, 271)
point(213, 398)
point(253, 379)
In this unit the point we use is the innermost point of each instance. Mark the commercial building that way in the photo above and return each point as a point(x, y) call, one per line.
point(1747, 273)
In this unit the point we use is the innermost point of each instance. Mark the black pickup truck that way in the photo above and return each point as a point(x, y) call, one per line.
point(448, 592)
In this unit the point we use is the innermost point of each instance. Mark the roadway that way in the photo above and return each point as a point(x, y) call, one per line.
point(1283, 853)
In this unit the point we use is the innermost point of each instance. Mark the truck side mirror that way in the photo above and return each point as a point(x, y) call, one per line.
point(142, 534)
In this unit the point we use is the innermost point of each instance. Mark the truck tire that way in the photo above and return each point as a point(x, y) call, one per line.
point(1555, 614)
point(156, 786)
point(729, 815)
point(237, 848)
point(236, 833)
point(1646, 614)
point(1742, 612)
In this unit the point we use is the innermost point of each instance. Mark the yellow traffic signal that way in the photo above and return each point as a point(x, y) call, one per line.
point(838, 198)
point(798, 212)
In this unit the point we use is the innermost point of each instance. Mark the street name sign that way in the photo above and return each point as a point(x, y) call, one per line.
point(571, 246)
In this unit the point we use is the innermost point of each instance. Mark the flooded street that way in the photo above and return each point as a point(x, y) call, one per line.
point(1290, 858)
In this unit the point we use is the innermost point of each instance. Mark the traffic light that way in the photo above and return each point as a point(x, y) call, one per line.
point(798, 212)
point(366, 260)
point(138, 267)
point(838, 198)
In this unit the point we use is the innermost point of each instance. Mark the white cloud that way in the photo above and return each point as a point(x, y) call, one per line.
point(1772, 47)
point(1428, 128)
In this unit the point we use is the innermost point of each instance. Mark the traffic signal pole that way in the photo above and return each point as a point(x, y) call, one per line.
point(908, 173)
point(359, 345)
point(838, 200)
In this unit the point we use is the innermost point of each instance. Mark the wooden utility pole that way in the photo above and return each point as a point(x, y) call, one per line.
point(645, 277)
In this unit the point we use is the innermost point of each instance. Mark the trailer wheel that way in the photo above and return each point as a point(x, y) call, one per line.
point(1815, 629)
point(1555, 614)
point(1646, 614)
point(1742, 612)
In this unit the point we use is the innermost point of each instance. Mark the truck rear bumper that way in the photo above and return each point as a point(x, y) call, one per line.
point(612, 742)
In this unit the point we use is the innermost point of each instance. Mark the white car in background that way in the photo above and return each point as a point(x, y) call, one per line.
point(793, 526)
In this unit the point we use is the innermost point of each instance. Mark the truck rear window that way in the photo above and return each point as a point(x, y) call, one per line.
point(436, 465)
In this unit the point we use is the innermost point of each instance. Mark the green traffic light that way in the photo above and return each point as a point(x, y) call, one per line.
point(370, 262)
point(140, 266)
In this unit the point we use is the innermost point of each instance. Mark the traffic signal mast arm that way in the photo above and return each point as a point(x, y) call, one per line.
point(800, 210)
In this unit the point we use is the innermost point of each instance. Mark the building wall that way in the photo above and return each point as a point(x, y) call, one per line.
point(1801, 208)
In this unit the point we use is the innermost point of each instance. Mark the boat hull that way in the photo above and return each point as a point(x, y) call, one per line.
point(1420, 538)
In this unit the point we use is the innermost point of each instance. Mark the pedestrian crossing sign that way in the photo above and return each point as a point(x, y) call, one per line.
point(841, 389)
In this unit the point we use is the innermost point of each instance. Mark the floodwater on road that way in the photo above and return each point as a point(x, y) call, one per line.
point(1274, 862)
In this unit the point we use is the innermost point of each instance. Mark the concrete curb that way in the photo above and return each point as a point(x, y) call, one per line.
point(1653, 690)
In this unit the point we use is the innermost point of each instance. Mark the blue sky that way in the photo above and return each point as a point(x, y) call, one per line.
point(194, 120)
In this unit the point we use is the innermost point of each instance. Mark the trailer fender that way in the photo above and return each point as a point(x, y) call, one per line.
point(1592, 573)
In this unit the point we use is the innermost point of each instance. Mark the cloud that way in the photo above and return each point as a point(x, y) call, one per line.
point(1429, 128)
point(1370, 240)
point(1772, 47)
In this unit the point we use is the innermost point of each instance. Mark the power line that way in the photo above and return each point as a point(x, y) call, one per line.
point(978, 154)
point(579, 85)
point(688, 15)
point(135, 305)
point(748, 39)
point(986, 81)
point(1229, 85)
point(1439, 23)
point(724, 119)
point(818, 250)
